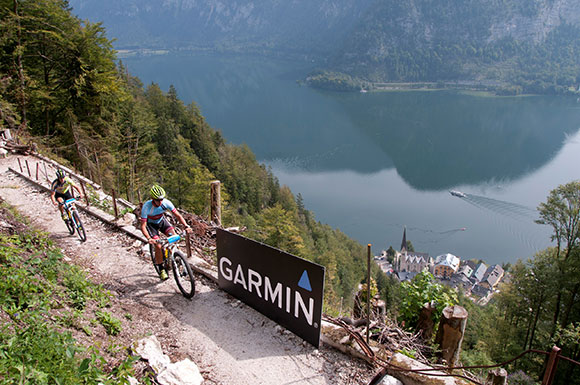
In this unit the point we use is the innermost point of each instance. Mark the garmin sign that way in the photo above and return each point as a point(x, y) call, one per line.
point(283, 287)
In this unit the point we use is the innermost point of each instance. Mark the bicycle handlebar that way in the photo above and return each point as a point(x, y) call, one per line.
point(170, 240)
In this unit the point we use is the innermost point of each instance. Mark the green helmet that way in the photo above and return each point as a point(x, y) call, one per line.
point(157, 192)
point(60, 173)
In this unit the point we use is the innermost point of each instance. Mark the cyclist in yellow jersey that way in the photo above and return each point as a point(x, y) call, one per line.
point(61, 190)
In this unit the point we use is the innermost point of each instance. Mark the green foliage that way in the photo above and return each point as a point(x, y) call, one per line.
point(34, 348)
point(423, 289)
point(111, 324)
point(334, 81)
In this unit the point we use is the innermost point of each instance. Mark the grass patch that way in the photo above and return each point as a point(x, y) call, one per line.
point(43, 300)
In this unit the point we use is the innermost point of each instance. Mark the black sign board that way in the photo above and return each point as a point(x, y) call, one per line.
point(283, 287)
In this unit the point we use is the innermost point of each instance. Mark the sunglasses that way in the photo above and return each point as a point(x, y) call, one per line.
point(157, 200)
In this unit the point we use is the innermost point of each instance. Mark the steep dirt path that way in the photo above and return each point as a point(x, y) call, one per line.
point(231, 343)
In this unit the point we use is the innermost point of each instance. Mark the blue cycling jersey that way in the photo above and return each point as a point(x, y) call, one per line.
point(154, 214)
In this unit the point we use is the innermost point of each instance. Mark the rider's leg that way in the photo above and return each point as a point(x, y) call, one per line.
point(158, 254)
point(60, 206)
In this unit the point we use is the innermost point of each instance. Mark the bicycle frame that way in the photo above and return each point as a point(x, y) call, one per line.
point(69, 206)
point(74, 221)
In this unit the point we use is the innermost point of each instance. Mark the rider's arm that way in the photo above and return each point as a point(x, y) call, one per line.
point(144, 230)
point(181, 219)
point(80, 194)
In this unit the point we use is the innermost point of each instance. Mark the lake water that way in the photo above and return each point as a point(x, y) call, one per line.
point(372, 163)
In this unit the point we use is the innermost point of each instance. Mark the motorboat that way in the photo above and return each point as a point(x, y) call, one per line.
point(456, 193)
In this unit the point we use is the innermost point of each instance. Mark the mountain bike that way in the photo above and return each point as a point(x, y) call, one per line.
point(73, 221)
point(173, 257)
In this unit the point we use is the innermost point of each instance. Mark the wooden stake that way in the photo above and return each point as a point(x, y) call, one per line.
point(216, 209)
point(497, 376)
point(551, 368)
point(37, 165)
point(28, 168)
point(85, 193)
point(368, 290)
point(450, 333)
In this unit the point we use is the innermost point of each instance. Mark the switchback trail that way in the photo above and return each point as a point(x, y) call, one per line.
point(231, 343)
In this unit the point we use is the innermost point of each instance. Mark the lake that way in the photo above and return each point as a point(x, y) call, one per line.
point(373, 163)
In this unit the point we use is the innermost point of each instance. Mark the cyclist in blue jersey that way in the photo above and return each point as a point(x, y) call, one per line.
point(153, 222)
point(61, 190)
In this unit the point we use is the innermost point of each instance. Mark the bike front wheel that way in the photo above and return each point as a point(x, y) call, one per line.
point(70, 226)
point(80, 228)
point(183, 275)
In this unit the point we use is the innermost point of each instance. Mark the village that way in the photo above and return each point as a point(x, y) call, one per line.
point(474, 278)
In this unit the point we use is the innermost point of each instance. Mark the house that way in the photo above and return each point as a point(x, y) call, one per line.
point(492, 276)
point(466, 270)
point(479, 272)
point(446, 265)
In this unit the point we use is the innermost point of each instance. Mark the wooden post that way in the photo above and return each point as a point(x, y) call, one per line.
point(368, 290)
point(46, 172)
point(37, 165)
point(27, 168)
point(216, 206)
point(20, 165)
point(188, 244)
point(115, 203)
point(85, 193)
point(551, 368)
point(139, 196)
point(425, 324)
point(497, 376)
point(450, 333)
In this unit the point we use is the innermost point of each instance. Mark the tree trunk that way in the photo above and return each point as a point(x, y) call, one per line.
point(538, 310)
point(20, 68)
point(450, 333)
point(425, 324)
point(570, 304)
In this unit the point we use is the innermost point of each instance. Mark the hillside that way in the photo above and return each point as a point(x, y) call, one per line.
point(485, 43)
point(513, 46)
point(297, 27)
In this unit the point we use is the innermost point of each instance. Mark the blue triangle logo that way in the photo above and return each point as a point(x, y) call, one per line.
point(305, 281)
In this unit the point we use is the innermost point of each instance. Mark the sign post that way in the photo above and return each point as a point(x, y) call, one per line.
point(285, 288)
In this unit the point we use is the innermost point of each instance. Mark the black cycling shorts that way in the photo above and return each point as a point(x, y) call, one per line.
point(66, 196)
point(154, 228)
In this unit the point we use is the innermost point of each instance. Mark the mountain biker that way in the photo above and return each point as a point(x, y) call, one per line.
point(153, 221)
point(61, 191)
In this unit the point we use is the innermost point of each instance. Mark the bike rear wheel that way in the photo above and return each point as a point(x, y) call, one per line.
point(183, 275)
point(80, 228)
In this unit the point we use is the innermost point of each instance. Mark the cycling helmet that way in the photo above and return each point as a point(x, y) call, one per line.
point(60, 173)
point(157, 192)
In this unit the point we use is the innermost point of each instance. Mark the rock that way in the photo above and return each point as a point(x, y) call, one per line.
point(414, 378)
point(149, 349)
point(126, 220)
point(388, 380)
point(180, 373)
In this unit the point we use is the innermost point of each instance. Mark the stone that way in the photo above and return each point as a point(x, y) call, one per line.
point(388, 380)
point(180, 373)
point(149, 349)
